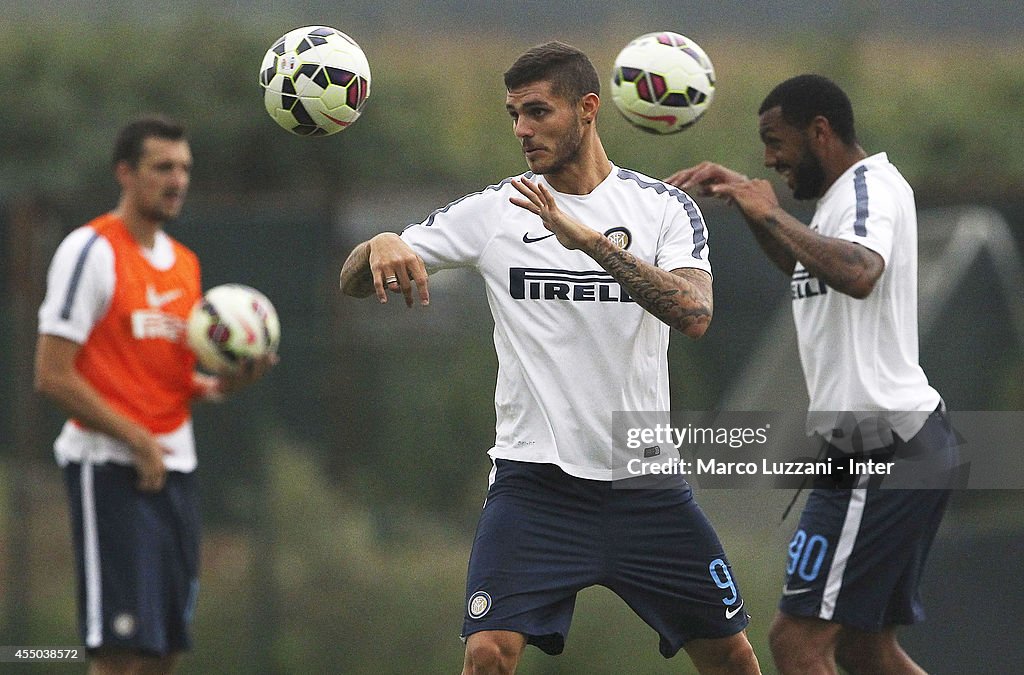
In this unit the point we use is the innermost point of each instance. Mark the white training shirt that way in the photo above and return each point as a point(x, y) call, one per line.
point(862, 355)
point(572, 346)
point(79, 287)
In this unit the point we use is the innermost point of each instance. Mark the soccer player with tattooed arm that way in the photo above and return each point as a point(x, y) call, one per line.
point(588, 268)
point(858, 554)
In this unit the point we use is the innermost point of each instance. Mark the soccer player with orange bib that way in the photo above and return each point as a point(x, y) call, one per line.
point(111, 353)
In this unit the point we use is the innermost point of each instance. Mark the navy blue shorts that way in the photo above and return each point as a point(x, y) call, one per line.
point(137, 557)
point(858, 555)
point(544, 535)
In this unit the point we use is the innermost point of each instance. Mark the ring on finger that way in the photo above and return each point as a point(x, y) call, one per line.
point(390, 280)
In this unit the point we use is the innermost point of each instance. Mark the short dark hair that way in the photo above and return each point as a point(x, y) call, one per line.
point(132, 136)
point(804, 97)
point(569, 70)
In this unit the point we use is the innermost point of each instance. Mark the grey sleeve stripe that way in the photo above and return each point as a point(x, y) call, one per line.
point(76, 277)
point(860, 189)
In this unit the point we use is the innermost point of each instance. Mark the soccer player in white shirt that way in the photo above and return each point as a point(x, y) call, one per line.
point(587, 266)
point(856, 559)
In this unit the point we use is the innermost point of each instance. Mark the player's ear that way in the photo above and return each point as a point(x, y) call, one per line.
point(589, 105)
point(820, 129)
point(123, 170)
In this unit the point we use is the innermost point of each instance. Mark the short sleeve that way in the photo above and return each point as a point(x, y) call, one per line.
point(870, 217)
point(455, 235)
point(684, 235)
point(79, 286)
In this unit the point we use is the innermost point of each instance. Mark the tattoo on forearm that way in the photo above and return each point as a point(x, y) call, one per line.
point(680, 308)
point(355, 273)
point(840, 264)
point(764, 233)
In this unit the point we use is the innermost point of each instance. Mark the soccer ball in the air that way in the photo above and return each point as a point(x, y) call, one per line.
point(662, 82)
point(231, 324)
point(315, 81)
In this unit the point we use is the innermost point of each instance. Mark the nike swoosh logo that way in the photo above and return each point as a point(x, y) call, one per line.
point(527, 239)
point(336, 120)
point(158, 300)
point(667, 119)
point(730, 613)
point(787, 591)
point(250, 334)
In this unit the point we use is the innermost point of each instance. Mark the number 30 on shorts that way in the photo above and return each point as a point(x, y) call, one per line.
point(806, 555)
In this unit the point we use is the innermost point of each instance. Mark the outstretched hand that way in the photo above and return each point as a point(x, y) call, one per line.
point(755, 197)
point(569, 232)
point(395, 266)
point(705, 178)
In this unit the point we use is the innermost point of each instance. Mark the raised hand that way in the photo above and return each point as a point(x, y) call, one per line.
point(570, 233)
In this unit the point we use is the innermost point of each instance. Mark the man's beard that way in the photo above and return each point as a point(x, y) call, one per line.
point(808, 177)
point(160, 212)
point(566, 152)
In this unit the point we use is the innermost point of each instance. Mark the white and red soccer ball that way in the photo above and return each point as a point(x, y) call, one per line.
point(662, 82)
point(230, 325)
point(315, 81)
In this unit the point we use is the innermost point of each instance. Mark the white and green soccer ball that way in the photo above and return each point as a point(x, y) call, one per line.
point(230, 325)
point(315, 81)
point(662, 82)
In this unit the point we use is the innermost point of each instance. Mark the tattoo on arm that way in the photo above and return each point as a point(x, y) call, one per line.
point(356, 278)
point(682, 300)
point(843, 265)
point(781, 256)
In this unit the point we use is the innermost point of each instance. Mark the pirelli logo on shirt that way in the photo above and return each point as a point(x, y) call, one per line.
point(804, 285)
point(532, 283)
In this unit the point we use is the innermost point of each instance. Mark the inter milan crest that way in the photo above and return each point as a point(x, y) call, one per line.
point(620, 236)
point(124, 625)
point(479, 604)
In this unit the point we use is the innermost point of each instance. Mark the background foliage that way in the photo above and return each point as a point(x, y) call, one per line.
point(946, 109)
